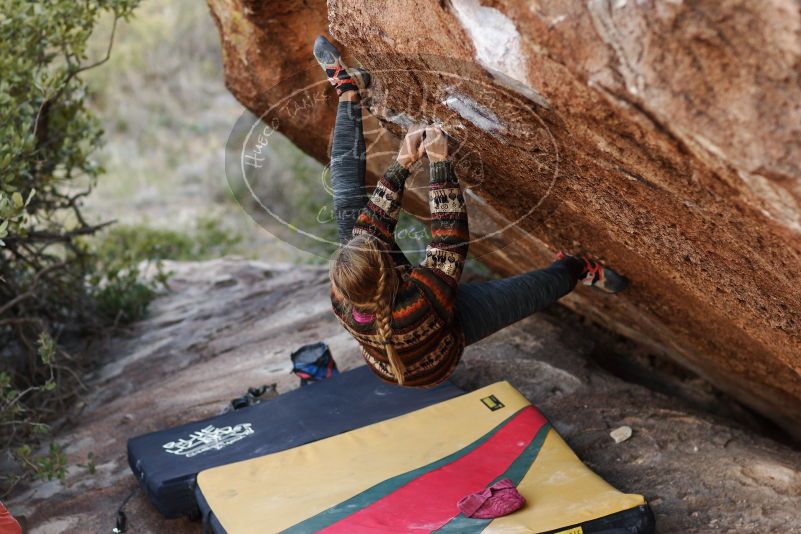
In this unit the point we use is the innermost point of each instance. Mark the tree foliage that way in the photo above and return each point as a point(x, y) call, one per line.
point(52, 286)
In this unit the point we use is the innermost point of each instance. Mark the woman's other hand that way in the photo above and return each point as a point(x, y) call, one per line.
point(412, 147)
point(436, 144)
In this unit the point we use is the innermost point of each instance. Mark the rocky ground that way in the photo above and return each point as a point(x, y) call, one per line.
point(703, 463)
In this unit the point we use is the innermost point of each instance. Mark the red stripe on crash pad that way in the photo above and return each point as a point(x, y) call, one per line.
point(429, 501)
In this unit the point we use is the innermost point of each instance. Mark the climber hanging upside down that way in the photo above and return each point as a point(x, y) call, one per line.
point(413, 322)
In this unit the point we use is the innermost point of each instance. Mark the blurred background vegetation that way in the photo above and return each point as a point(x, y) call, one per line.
point(167, 116)
point(112, 160)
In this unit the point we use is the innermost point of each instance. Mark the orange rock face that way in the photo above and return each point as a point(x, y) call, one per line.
point(661, 137)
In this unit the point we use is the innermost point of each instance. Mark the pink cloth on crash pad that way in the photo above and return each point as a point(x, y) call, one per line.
point(502, 498)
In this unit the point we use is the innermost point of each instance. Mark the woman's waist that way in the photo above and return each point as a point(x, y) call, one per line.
point(427, 329)
point(446, 347)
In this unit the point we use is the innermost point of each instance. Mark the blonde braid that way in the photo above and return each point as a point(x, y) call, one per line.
point(382, 304)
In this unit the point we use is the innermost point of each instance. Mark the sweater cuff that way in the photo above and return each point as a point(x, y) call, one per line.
point(442, 172)
point(396, 174)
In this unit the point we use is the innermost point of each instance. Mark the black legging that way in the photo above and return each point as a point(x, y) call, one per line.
point(348, 161)
point(482, 308)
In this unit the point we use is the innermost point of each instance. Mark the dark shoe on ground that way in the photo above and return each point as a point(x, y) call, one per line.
point(342, 78)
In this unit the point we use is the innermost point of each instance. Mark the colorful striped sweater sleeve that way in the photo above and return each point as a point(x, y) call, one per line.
point(450, 234)
point(380, 216)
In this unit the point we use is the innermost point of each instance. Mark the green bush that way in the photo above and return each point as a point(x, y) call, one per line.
point(208, 239)
point(120, 293)
point(53, 287)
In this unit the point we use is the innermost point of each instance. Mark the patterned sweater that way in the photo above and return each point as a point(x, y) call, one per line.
point(425, 333)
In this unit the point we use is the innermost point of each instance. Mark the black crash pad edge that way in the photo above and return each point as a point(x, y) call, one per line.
point(638, 520)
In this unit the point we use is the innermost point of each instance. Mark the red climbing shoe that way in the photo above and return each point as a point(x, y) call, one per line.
point(342, 78)
point(598, 276)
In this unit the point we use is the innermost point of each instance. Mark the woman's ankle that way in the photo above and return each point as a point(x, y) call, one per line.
point(577, 266)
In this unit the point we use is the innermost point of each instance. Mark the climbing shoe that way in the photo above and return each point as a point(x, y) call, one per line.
point(342, 78)
point(598, 276)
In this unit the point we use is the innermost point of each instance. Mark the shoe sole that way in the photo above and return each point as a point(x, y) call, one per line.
point(325, 53)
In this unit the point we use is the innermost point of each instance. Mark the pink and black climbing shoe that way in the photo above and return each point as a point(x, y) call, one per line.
point(598, 276)
point(341, 78)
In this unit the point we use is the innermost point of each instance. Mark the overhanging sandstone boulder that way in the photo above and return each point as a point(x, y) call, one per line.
point(662, 137)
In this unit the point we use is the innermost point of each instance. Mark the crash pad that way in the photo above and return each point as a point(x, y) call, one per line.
point(407, 474)
point(166, 462)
